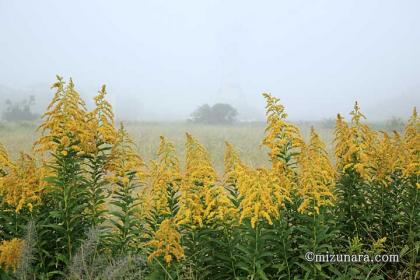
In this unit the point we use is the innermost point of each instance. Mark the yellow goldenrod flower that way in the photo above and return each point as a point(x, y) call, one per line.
point(166, 242)
point(21, 185)
point(262, 193)
point(282, 138)
point(68, 121)
point(124, 160)
point(200, 199)
point(10, 252)
point(386, 158)
point(354, 144)
point(65, 120)
point(125, 180)
point(199, 169)
point(231, 160)
point(104, 118)
point(316, 176)
point(199, 175)
point(411, 146)
point(4, 161)
point(218, 206)
point(165, 177)
point(65, 141)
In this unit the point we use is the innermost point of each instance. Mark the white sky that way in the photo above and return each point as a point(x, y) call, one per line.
point(161, 59)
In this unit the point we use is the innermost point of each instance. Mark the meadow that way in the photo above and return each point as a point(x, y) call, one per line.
point(246, 137)
point(89, 198)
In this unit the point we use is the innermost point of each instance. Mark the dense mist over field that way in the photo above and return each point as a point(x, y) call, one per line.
point(162, 59)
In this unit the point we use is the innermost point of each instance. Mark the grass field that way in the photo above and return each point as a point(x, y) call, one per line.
point(246, 137)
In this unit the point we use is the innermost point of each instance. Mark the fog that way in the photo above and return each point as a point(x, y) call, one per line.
point(162, 59)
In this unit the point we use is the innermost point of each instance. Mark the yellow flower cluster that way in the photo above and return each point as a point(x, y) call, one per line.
point(316, 176)
point(262, 193)
point(199, 170)
point(20, 185)
point(66, 127)
point(231, 160)
point(69, 128)
point(282, 138)
point(10, 253)
point(198, 178)
point(102, 118)
point(410, 157)
point(386, 158)
point(166, 242)
point(165, 174)
point(124, 162)
point(354, 144)
point(218, 206)
point(4, 161)
point(375, 157)
point(200, 197)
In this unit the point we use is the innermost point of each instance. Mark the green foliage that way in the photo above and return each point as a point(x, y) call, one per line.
point(125, 235)
point(96, 185)
point(62, 223)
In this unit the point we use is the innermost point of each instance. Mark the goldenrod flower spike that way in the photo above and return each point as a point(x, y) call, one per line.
point(166, 242)
point(5, 162)
point(167, 156)
point(354, 144)
point(387, 158)
point(262, 193)
point(165, 177)
point(124, 160)
point(21, 186)
point(202, 199)
point(231, 160)
point(199, 174)
point(103, 118)
point(66, 125)
point(356, 114)
point(10, 252)
point(198, 166)
point(411, 146)
point(316, 176)
point(281, 138)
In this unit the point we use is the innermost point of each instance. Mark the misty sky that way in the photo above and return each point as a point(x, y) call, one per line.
point(161, 59)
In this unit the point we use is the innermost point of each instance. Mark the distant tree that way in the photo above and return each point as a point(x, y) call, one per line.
point(19, 111)
point(219, 113)
point(202, 114)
